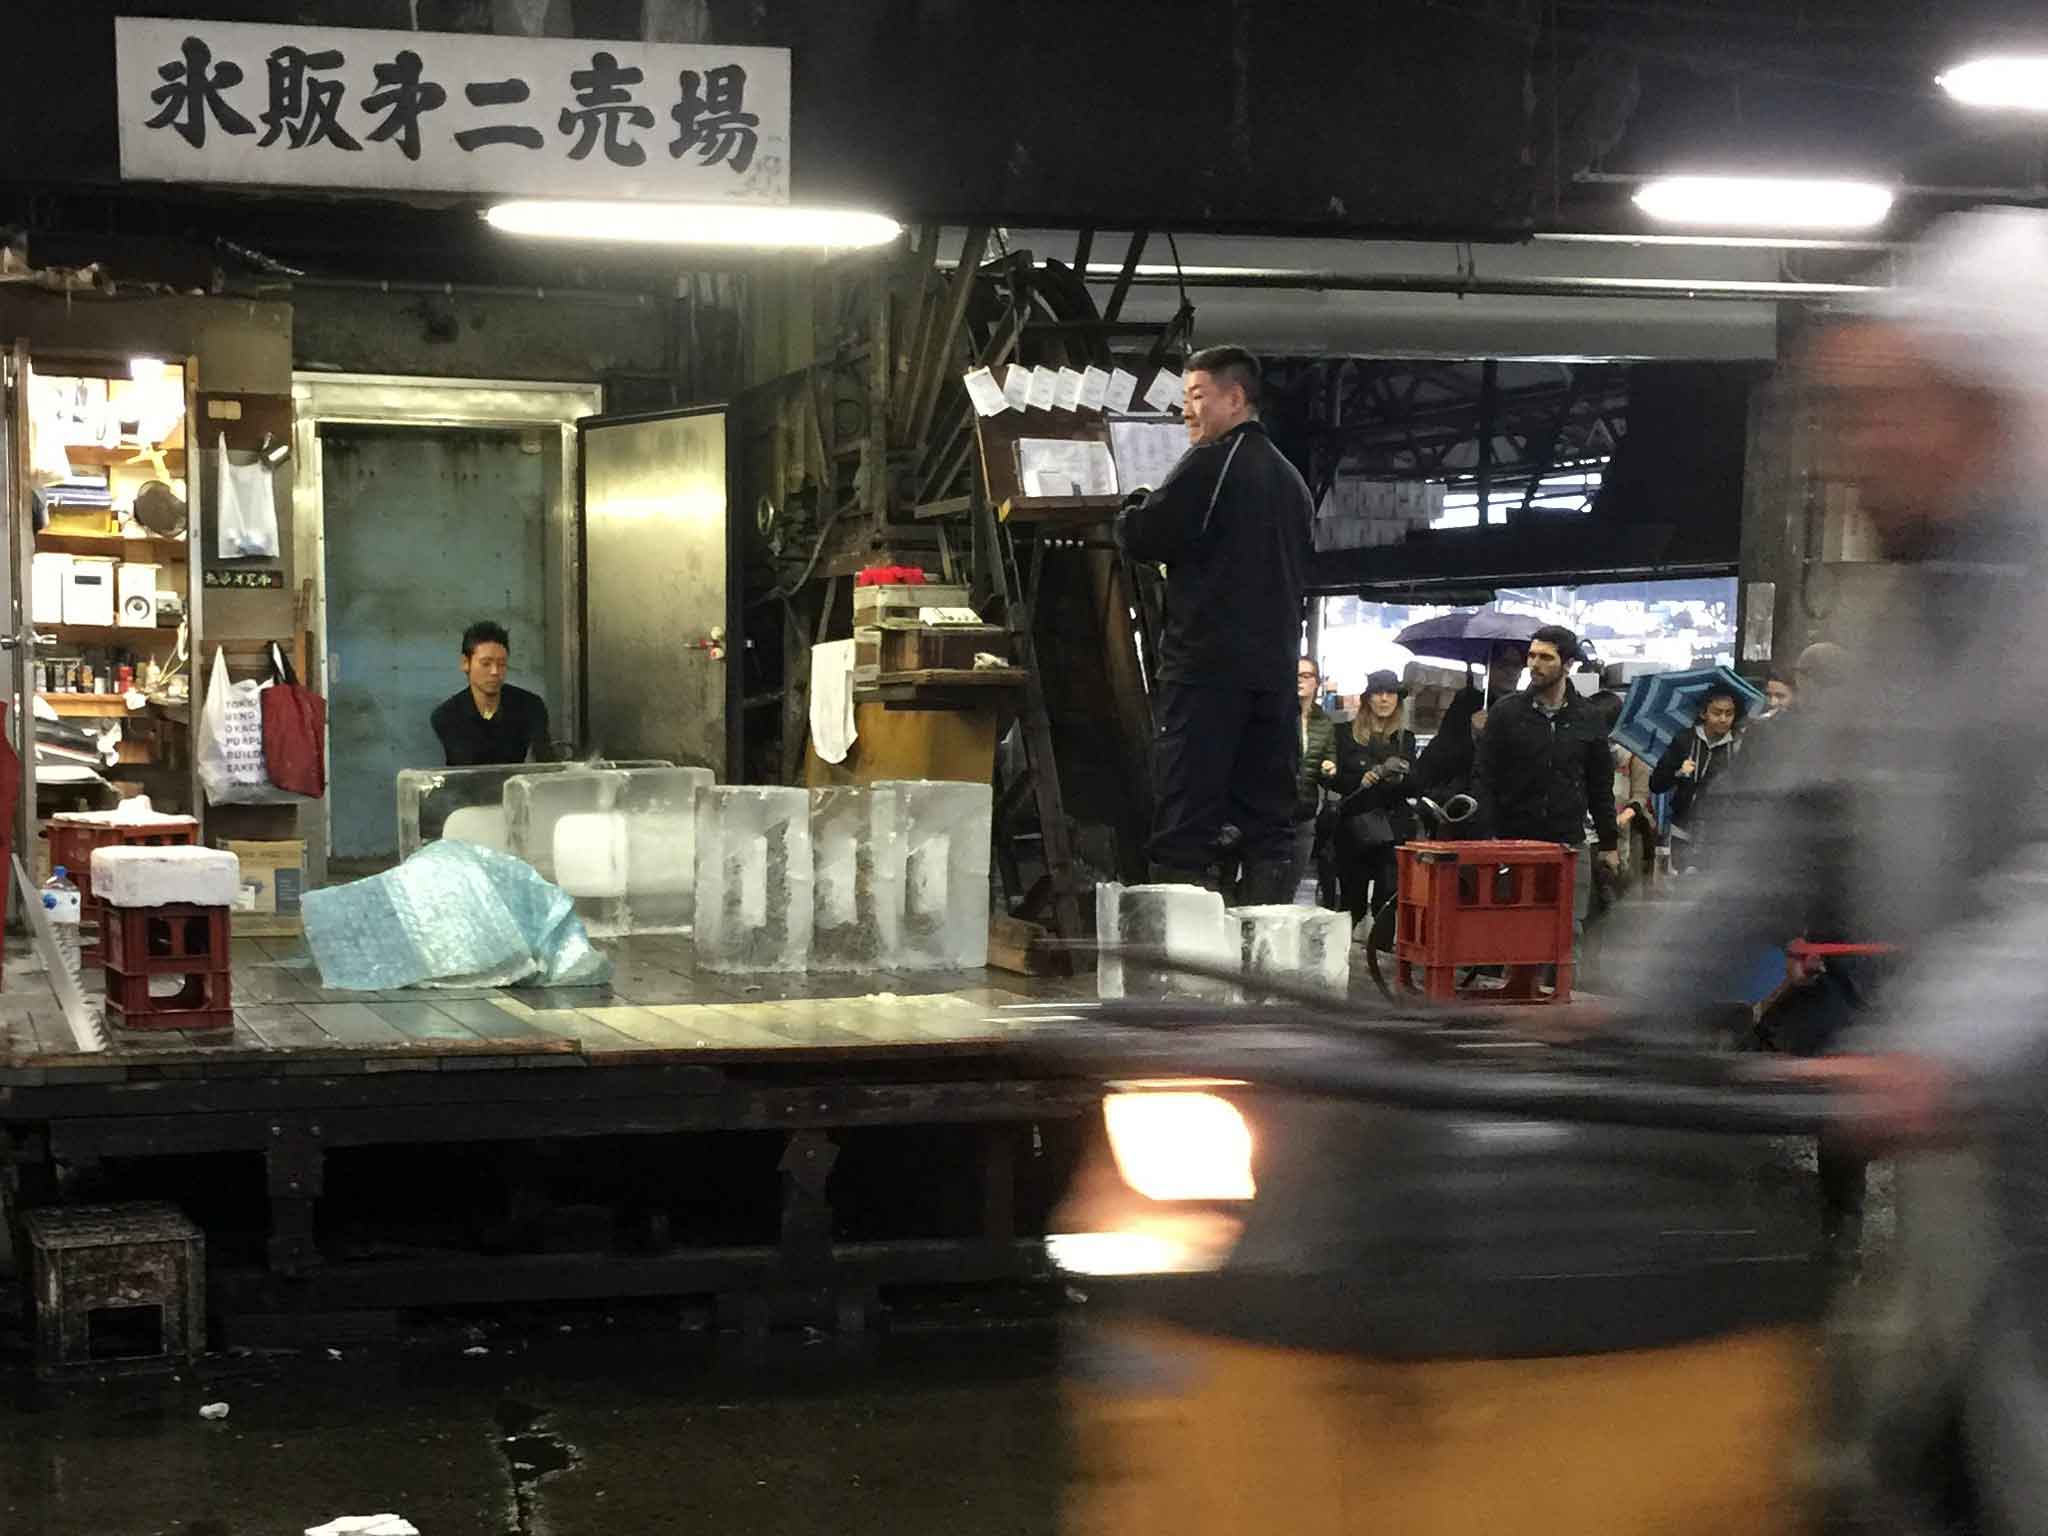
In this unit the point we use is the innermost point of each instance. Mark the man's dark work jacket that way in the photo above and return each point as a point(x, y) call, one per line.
point(1233, 527)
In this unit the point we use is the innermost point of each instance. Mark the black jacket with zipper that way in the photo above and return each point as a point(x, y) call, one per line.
point(1233, 525)
point(1709, 763)
point(1540, 776)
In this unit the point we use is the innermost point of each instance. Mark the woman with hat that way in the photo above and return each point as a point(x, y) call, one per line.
point(1373, 761)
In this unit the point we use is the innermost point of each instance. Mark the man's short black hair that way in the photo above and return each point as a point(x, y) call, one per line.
point(484, 632)
point(1230, 365)
point(1566, 642)
point(1728, 692)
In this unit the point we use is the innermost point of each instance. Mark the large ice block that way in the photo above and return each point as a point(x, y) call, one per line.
point(621, 841)
point(945, 873)
point(857, 860)
point(754, 908)
point(1307, 946)
point(1168, 922)
point(427, 797)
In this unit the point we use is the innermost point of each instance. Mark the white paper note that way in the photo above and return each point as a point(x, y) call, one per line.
point(1146, 451)
point(1059, 466)
point(985, 392)
point(1164, 392)
point(1017, 387)
point(1068, 394)
point(1123, 387)
point(1044, 382)
point(1094, 387)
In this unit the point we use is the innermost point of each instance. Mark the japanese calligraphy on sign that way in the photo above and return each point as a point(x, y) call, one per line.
point(211, 101)
point(268, 580)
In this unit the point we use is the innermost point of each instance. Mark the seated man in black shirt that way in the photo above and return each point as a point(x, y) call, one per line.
point(489, 721)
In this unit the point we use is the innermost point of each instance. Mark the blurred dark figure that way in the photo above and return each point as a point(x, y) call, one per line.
point(1635, 816)
point(1542, 766)
point(1445, 767)
point(1866, 823)
point(1375, 759)
point(1692, 765)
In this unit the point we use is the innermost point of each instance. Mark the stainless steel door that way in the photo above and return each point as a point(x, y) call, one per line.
point(17, 636)
point(660, 590)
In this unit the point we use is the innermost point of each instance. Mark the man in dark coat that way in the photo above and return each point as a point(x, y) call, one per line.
point(1232, 524)
point(1543, 762)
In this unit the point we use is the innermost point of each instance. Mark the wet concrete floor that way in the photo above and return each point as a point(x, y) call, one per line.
point(555, 1434)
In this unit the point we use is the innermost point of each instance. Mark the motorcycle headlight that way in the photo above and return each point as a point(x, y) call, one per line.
point(1180, 1146)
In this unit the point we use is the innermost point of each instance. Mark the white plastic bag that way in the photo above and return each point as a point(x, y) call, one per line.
point(230, 746)
point(244, 509)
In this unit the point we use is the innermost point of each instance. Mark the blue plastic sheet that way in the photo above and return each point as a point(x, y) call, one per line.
point(454, 914)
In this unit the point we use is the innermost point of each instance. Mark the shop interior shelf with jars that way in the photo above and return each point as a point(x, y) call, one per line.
point(111, 577)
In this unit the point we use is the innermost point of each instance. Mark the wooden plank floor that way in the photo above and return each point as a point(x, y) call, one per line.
point(657, 1007)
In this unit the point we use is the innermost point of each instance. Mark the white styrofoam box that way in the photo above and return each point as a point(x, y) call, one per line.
point(135, 594)
point(160, 877)
point(50, 572)
point(89, 590)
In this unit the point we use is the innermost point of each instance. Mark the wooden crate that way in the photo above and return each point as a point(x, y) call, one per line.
point(907, 647)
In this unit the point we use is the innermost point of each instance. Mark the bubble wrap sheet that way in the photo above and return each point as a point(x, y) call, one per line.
point(453, 914)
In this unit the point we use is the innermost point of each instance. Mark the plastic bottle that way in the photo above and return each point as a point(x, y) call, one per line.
point(61, 901)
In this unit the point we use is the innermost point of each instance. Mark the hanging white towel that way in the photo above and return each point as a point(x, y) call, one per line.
point(244, 509)
point(832, 730)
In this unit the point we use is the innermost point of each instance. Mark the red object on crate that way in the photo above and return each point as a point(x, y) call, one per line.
point(890, 576)
point(143, 944)
point(72, 840)
point(1506, 904)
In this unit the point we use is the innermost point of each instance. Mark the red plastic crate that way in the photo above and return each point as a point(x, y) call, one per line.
point(1506, 904)
point(205, 1002)
point(145, 941)
point(72, 841)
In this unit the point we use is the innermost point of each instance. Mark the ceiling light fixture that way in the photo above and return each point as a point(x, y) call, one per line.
point(1764, 202)
point(2017, 82)
point(736, 225)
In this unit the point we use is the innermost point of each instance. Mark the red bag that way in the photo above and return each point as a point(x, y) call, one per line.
point(294, 732)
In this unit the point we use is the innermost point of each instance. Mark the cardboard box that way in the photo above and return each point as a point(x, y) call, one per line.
point(273, 885)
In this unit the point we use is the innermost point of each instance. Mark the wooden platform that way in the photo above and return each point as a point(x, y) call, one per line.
point(657, 1007)
point(661, 1050)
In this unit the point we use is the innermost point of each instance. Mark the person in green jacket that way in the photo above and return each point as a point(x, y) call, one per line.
point(1318, 734)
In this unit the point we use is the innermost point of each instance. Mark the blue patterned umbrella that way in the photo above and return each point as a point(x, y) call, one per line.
point(1468, 635)
point(1664, 706)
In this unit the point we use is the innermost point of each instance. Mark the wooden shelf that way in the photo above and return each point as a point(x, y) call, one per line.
point(174, 458)
point(109, 634)
point(102, 705)
point(1076, 511)
point(156, 550)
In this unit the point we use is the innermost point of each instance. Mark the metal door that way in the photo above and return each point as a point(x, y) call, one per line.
point(660, 590)
point(17, 637)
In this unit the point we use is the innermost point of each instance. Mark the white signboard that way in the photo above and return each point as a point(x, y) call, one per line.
point(214, 101)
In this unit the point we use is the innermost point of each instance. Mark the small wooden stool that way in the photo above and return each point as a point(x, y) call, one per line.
point(117, 1287)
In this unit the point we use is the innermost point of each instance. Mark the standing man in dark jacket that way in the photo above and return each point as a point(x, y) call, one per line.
point(1543, 763)
point(1232, 524)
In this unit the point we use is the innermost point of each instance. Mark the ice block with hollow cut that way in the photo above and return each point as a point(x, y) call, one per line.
point(1144, 928)
point(754, 909)
point(857, 861)
point(945, 873)
point(1305, 946)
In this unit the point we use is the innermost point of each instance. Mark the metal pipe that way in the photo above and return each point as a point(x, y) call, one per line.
point(1741, 290)
point(470, 290)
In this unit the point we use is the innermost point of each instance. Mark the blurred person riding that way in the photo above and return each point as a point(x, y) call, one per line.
point(1318, 773)
point(1864, 824)
point(1542, 765)
point(1693, 763)
point(1375, 761)
point(1231, 523)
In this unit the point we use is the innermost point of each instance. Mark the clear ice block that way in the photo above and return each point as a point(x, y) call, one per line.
point(1176, 922)
point(621, 841)
point(1307, 946)
point(428, 797)
point(857, 862)
point(945, 873)
point(754, 907)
